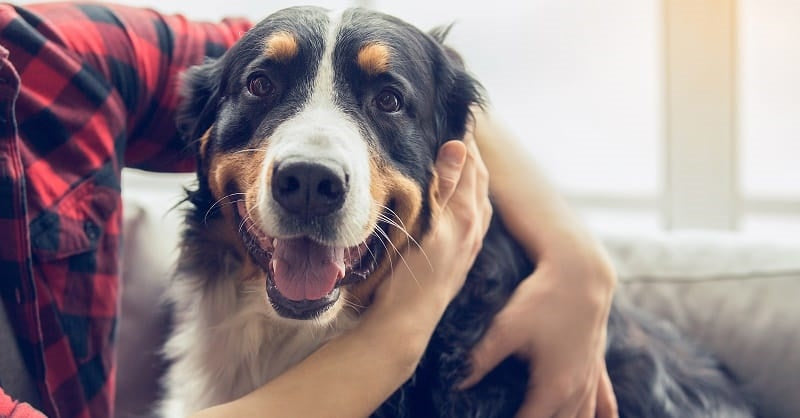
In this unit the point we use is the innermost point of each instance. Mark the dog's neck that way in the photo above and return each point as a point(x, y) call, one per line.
point(234, 335)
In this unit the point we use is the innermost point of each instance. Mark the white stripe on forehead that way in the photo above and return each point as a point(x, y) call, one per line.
point(322, 132)
point(322, 88)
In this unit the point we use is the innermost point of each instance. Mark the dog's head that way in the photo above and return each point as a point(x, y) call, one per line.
point(320, 130)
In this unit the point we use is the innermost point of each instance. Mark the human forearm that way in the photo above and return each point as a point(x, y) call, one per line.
point(351, 375)
point(556, 317)
point(534, 212)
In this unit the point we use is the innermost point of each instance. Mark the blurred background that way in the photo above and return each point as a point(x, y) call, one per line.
point(649, 115)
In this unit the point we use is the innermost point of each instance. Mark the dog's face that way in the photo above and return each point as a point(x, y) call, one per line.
point(321, 129)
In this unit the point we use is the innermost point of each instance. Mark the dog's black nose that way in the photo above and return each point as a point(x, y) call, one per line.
point(309, 189)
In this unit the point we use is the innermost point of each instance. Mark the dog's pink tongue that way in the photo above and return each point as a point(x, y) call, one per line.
point(304, 269)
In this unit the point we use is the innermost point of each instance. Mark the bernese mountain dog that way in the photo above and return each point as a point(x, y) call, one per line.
point(315, 137)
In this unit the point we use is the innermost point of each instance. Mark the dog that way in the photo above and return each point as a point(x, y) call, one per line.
point(315, 137)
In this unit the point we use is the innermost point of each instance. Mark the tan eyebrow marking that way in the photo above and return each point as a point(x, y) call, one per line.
point(281, 47)
point(373, 58)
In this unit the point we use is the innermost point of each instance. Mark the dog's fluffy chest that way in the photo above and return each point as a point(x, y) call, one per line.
point(226, 344)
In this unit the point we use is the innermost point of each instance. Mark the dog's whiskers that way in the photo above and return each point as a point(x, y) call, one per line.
point(358, 246)
point(357, 303)
point(248, 217)
point(250, 150)
point(380, 239)
point(352, 304)
point(402, 258)
point(205, 217)
point(409, 238)
point(401, 227)
point(351, 234)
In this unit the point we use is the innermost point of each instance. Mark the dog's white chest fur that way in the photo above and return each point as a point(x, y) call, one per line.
point(227, 342)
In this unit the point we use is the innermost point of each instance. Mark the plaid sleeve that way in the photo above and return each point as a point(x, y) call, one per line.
point(141, 53)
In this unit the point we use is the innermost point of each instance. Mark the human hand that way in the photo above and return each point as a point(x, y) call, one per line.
point(434, 273)
point(556, 320)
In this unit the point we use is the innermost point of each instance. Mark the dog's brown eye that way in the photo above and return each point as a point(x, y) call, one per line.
point(261, 86)
point(388, 101)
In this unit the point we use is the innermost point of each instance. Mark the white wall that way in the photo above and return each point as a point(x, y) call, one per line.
point(579, 81)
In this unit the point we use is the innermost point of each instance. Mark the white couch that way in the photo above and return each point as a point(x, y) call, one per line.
point(738, 296)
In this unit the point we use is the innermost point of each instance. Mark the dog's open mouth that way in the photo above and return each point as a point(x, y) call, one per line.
point(304, 276)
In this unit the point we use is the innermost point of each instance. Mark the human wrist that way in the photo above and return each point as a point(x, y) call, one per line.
point(402, 333)
point(417, 315)
point(413, 299)
point(573, 255)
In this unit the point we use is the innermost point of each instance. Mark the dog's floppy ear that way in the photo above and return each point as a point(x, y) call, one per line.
point(199, 99)
point(457, 91)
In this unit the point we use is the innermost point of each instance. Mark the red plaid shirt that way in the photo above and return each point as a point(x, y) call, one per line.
point(84, 90)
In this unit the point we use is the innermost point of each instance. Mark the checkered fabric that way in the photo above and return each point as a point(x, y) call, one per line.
point(84, 90)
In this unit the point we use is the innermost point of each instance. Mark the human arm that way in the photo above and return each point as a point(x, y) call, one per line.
point(14, 409)
point(136, 57)
point(556, 318)
point(350, 376)
point(356, 372)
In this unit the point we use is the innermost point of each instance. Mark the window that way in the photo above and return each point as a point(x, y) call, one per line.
point(769, 110)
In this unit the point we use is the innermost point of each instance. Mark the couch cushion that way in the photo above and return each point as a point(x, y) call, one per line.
point(735, 295)
point(150, 249)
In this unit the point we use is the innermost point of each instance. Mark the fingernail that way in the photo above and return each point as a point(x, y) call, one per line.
point(452, 157)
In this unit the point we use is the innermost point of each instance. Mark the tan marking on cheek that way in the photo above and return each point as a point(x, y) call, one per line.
point(239, 169)
point(281, 47)
point(203, 148)
point(388, 185)
point(379, 187)
point(373, 58)
point(407, 198)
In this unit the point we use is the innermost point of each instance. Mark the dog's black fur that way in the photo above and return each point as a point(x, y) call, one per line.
point(655, 372)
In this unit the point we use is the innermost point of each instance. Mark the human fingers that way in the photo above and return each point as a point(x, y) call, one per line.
point(606, 400)
point(481, 171)
point(481, 189)
point(448, 168)
point(538, 403)
point(588, 404)
point(465, 202)
point(561, 396)
point(556, 399)
point(501, 340)
point(576, 400)
point(469, 208)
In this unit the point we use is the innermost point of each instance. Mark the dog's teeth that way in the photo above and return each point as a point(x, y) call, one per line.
point(274, 242)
